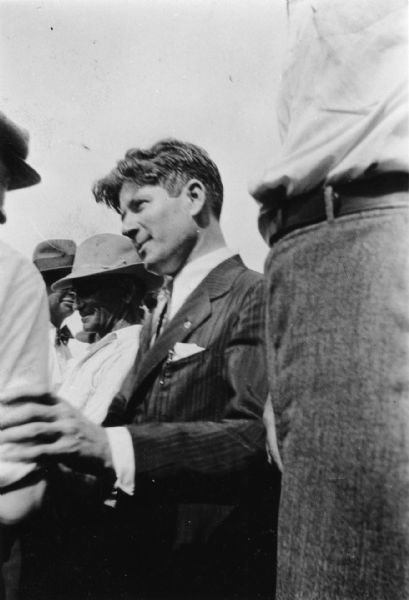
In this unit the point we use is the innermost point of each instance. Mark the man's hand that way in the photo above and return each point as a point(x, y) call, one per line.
point(52, 432)
point(270, 425)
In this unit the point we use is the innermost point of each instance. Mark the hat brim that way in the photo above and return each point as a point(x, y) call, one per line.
point(21, 174)
point(137, 271)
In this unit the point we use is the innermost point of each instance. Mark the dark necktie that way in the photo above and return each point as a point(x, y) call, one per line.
point(162, 310)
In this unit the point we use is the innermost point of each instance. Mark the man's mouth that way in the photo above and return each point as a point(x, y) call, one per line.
point(140, 247)
point(69, 301)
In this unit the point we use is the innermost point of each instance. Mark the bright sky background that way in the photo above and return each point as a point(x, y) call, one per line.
point(91, 78)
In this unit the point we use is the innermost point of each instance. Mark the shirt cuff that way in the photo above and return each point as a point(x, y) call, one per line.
point(123, 459)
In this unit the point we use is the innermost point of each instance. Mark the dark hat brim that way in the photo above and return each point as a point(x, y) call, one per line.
point(138, 271)
point(21, 174)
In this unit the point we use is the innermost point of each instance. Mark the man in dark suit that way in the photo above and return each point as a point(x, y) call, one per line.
point(196, 498)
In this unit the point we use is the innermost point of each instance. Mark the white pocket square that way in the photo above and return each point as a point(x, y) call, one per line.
point(181, 350)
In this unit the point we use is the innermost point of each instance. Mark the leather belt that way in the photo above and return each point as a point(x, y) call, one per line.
point(326, 203)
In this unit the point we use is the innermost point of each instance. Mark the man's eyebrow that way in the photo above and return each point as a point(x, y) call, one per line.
point(134, 202)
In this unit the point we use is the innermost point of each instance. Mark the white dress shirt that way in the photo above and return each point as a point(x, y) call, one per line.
point(343, 104)
point(91, 381)
point(187, 280)
point(24, 326)
point(58, 359)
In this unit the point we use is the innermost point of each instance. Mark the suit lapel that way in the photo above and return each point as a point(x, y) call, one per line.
point(196, 309)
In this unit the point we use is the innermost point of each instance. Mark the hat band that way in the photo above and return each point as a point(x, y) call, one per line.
point(89, 268)
point(53, 263)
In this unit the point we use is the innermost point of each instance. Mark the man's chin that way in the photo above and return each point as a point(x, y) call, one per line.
point(151, 267)
point(88, 334)
point(65, 314)
point(155, 267)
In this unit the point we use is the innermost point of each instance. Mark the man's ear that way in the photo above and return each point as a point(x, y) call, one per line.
point(196, 192)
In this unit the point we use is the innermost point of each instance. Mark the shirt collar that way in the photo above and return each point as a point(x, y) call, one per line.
point(193, 274)
point(118, 334)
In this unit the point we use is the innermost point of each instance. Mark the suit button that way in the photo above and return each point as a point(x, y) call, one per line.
point(161, 381)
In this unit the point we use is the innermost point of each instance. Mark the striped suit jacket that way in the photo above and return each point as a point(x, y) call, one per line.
point(203, 515)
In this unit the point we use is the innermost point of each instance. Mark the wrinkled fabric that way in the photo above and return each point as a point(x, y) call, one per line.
point(338, 356)
point(92, 380)
point(343, 103)
point(23, 340)
point(59, 357)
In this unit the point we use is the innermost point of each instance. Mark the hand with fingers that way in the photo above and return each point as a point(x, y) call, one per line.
point(52, 431)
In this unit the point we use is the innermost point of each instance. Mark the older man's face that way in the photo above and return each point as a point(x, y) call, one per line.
point(100, 304)
point(61, 304)
point(3, 188)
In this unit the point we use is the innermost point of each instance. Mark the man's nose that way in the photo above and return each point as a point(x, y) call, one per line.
point(130, 225)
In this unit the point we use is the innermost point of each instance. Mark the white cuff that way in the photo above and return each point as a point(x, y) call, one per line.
point(120, 441)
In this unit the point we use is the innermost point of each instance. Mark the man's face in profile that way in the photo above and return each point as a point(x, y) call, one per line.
point(60, 302)
point(159, 225)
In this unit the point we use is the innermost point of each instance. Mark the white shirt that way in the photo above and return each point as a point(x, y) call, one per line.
point(24, 320)
point(192, 274)
point(91, 381)
point(343, 104)
point(184, 283)
point(58, 359)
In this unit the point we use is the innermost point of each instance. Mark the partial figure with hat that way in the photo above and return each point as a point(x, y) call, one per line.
point(109, 283)
point(23, 334)
point(54, 258)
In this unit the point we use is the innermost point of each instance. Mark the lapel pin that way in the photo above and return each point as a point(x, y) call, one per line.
point(187, 324)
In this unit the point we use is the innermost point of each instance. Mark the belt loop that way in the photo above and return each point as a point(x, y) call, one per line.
point(329, 197)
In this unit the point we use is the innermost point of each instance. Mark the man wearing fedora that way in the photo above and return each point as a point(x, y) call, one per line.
point(109, 283)
point(54, 258)
point(23, 320)
point(23, 337)
point(184, 440)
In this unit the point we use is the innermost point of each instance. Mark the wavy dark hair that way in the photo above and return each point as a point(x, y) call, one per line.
point(169, 163)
